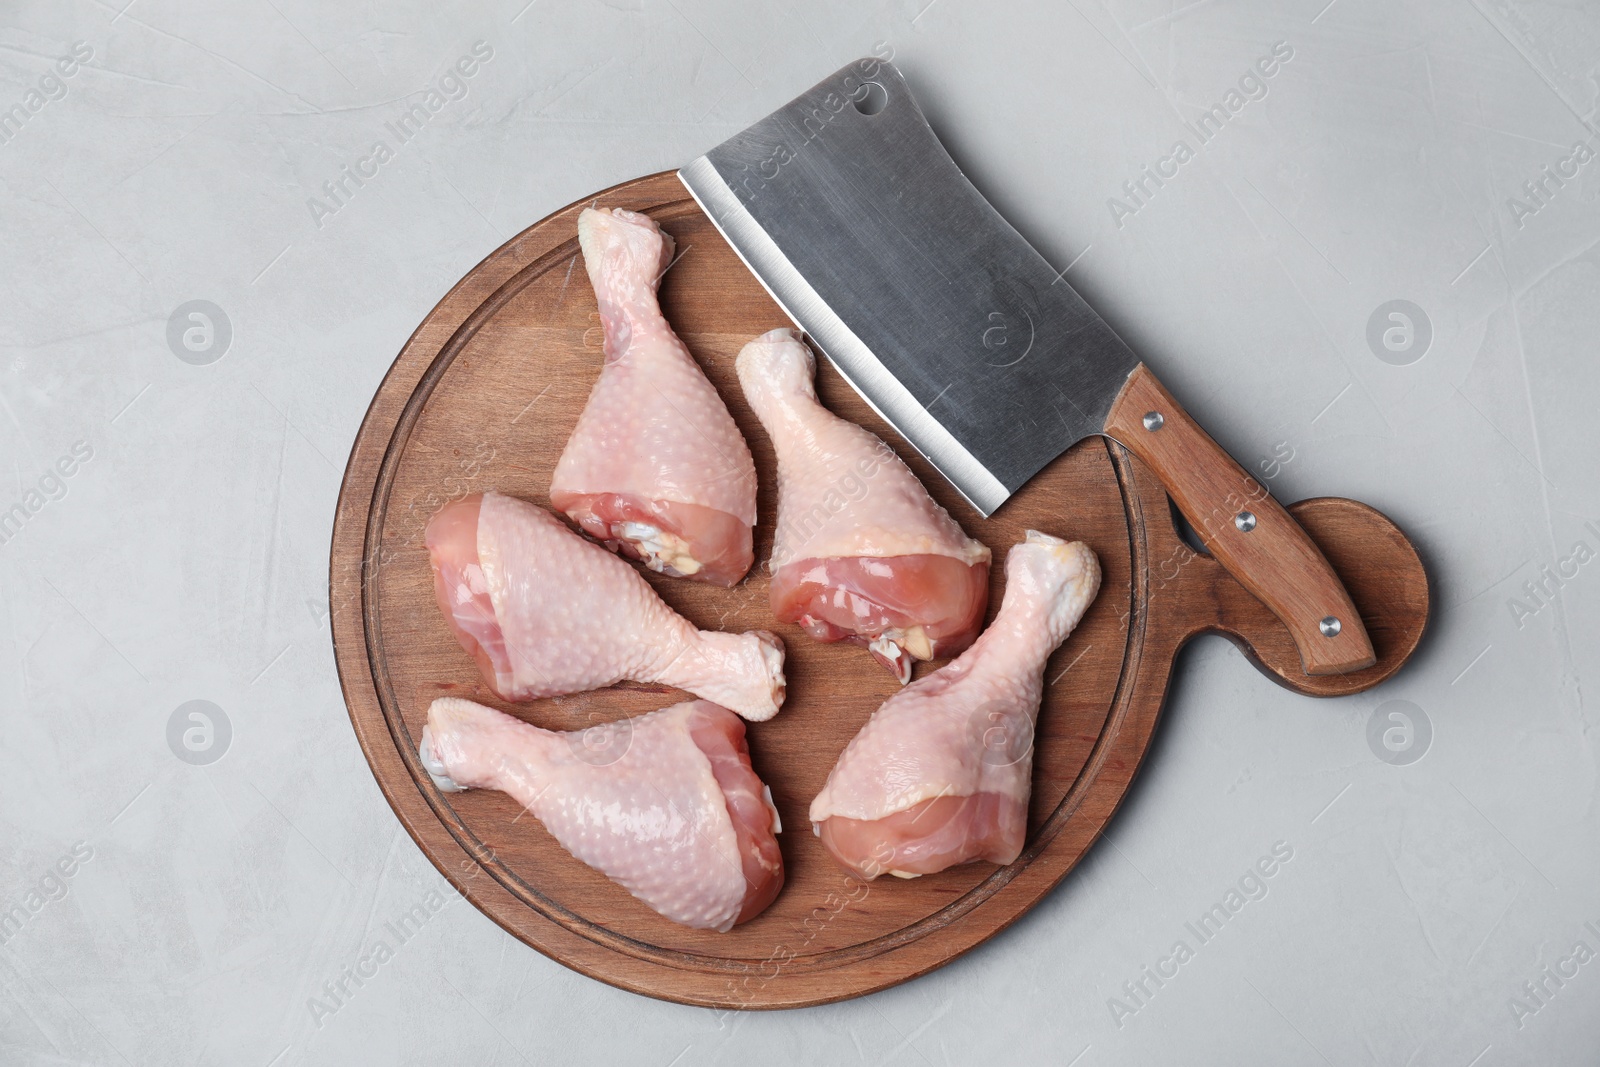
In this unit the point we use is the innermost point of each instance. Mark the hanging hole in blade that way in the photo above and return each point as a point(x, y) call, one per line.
point(873, 98)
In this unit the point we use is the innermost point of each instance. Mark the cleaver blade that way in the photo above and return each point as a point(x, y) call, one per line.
point(850, 212)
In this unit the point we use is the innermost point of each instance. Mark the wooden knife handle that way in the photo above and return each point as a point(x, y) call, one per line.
point(1246, 530)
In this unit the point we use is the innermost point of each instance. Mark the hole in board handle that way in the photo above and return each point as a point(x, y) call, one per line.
point(1186, 532)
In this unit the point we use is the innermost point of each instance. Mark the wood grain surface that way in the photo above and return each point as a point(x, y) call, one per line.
point(1242, 525)
point(484, 395)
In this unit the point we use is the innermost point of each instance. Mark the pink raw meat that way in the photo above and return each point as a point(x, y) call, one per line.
point(861, 552)
point(666, 804)
point(545, 612)
point(941, 773)
point(656, 469)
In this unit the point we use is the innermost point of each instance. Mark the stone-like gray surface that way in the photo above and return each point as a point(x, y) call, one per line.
point(184, 556)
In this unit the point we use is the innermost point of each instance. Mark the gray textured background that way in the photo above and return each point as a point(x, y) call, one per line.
point(185, 558)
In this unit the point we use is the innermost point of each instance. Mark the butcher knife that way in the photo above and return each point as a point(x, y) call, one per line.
point(941, 315)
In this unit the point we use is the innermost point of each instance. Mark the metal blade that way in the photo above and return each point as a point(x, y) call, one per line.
point(934, 308)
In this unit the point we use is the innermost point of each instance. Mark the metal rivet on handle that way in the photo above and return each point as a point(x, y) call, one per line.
point(1153, 420)
point(1245, 520)
point(1330, 627)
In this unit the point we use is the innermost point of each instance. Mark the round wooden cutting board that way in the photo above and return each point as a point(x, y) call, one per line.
point(484, 396)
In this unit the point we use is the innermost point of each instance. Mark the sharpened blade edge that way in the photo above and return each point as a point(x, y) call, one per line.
point(893, 402)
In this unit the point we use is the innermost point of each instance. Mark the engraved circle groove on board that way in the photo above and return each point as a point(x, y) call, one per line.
point(483, 855)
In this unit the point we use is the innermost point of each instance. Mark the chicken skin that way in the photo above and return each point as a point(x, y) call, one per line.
point(941, 773)
point(545, 612)
point(665, 805)
point(656, 469)
point(861, 552)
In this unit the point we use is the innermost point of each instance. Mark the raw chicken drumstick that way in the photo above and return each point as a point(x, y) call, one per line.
point(941, 773)
point(656, 469)
point(545, 612)
point(666, 804)
point(861, 552)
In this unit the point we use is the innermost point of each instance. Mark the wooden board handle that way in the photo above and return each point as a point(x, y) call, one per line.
point(1246, 530)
